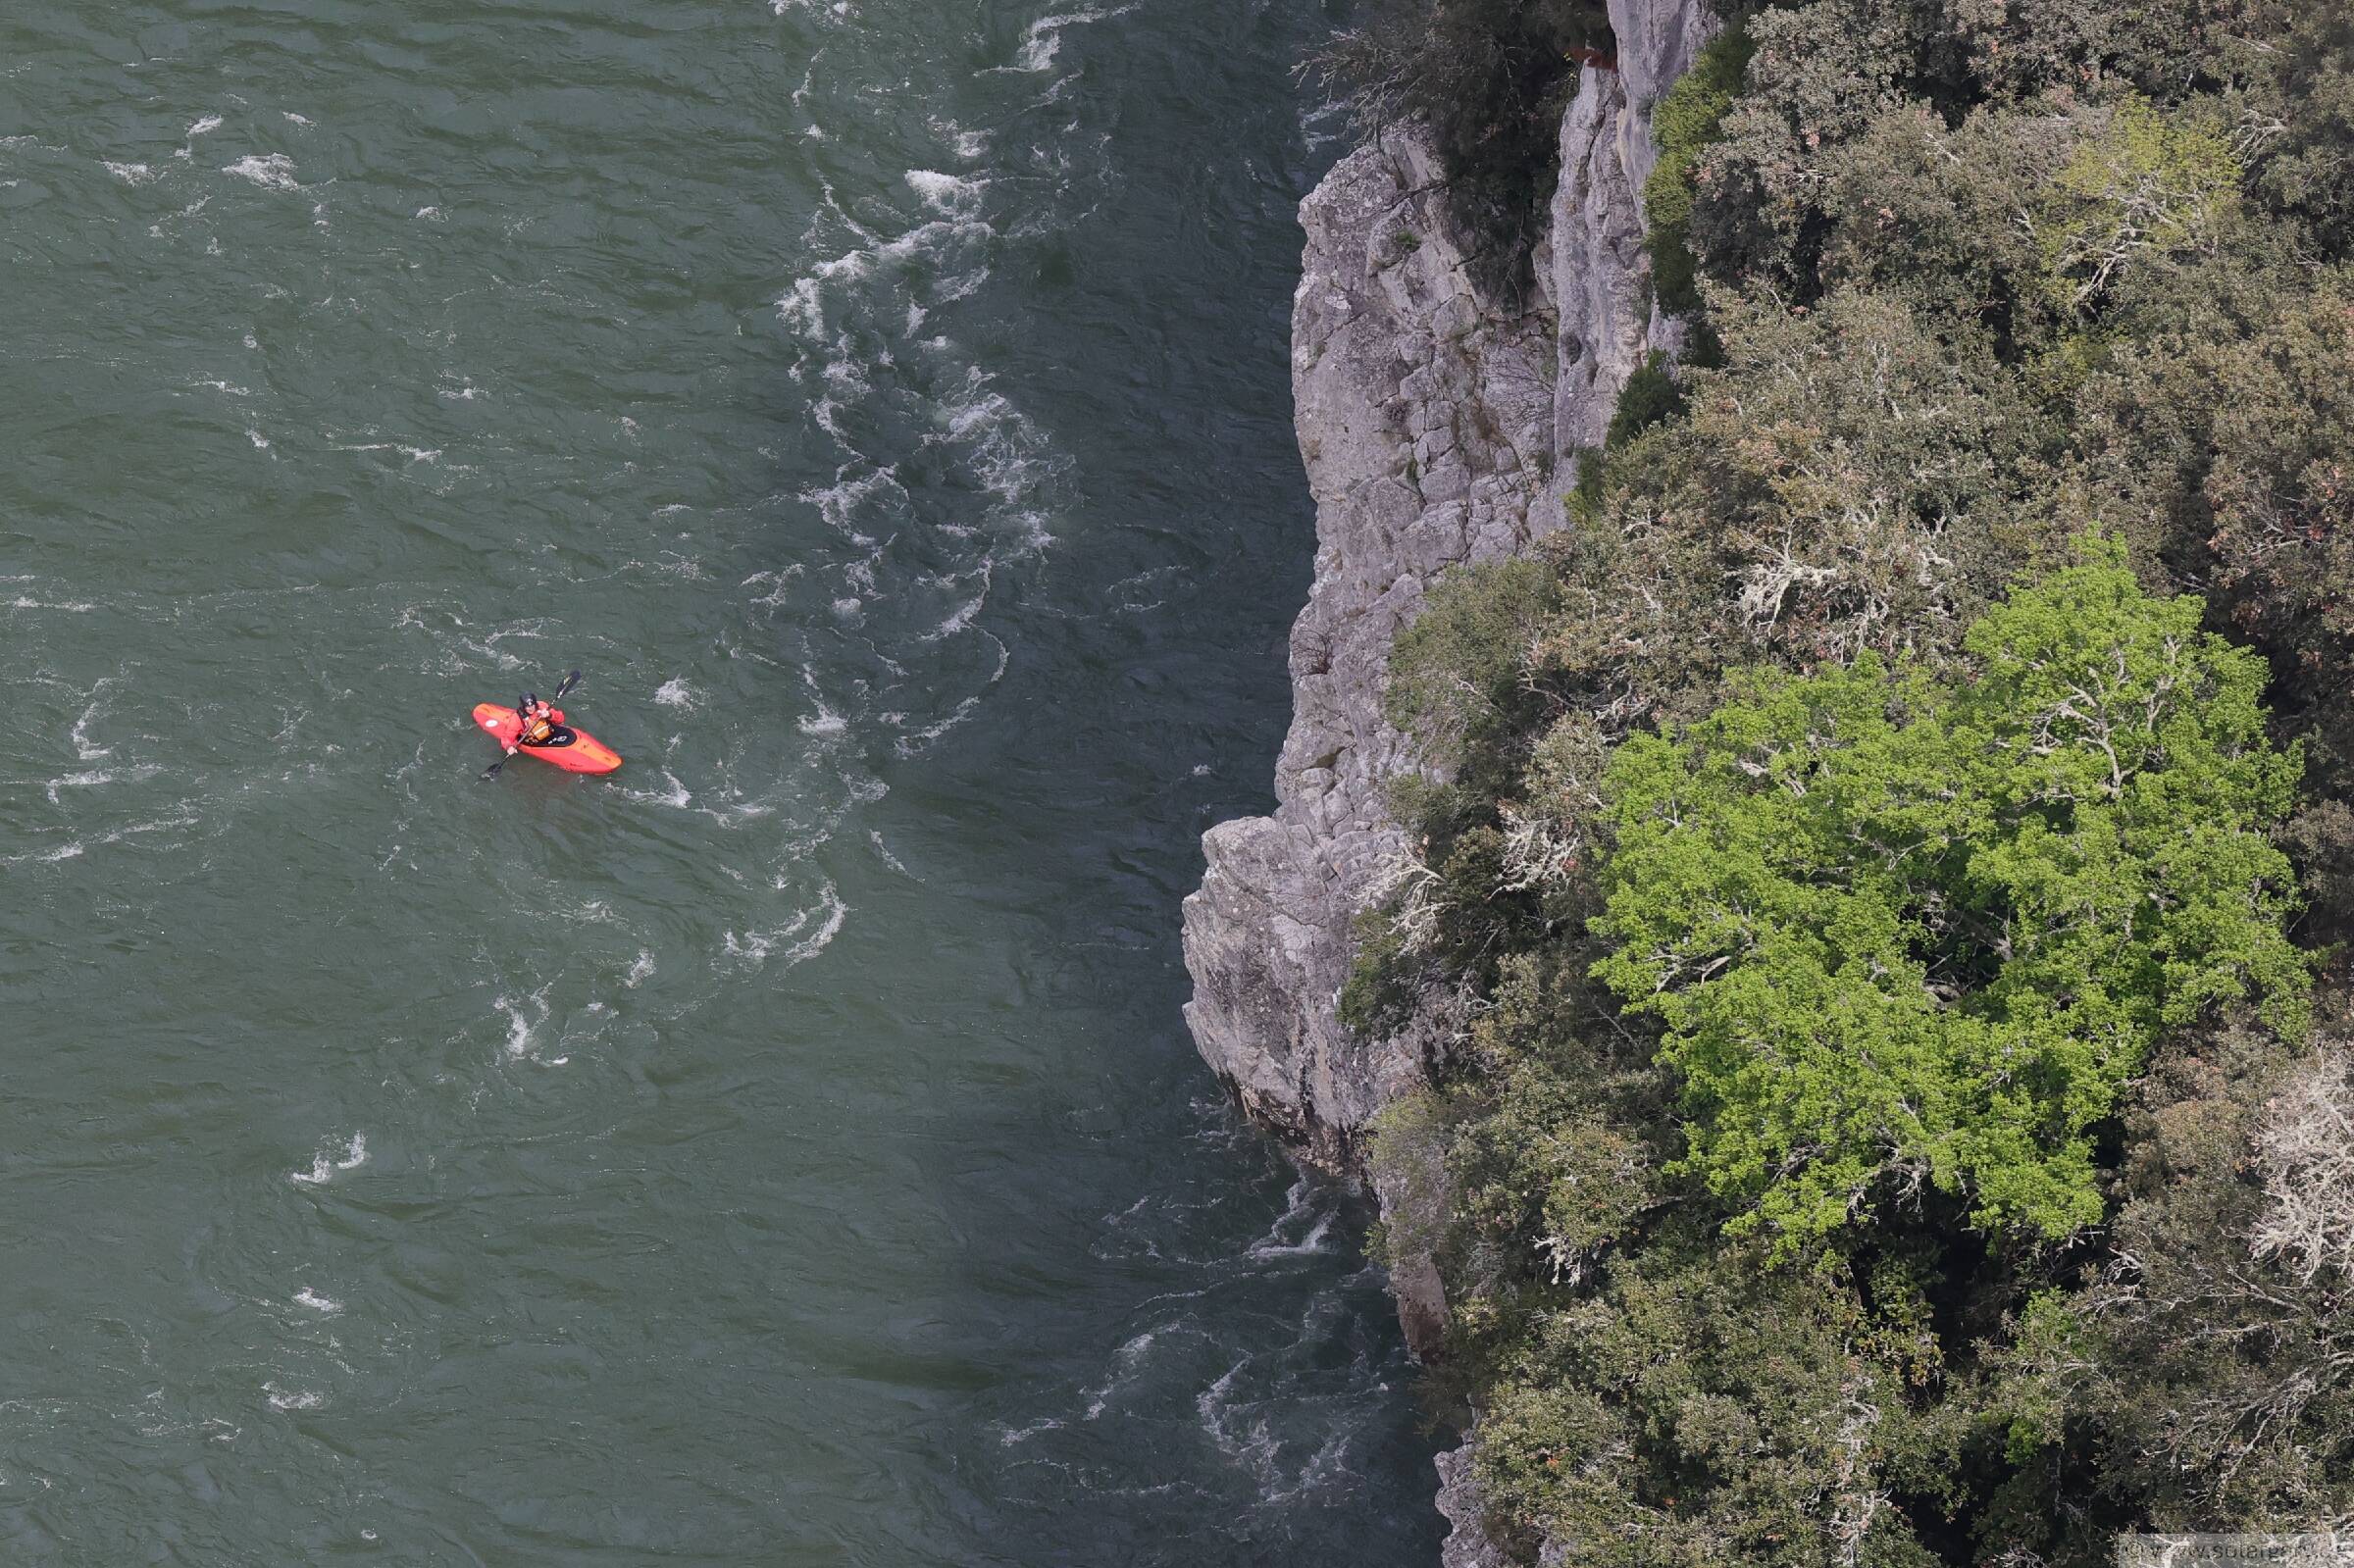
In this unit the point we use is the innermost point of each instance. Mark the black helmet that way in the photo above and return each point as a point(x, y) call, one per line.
point(530, 701)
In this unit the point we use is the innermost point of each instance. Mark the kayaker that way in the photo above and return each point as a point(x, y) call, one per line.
point(543, 723)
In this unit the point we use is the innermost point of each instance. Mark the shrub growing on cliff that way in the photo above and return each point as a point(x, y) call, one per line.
point(1823, 72)
point(1912, 933)
point(1683, 125)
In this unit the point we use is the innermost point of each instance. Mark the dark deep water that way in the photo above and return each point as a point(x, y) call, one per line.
point(789, 1150)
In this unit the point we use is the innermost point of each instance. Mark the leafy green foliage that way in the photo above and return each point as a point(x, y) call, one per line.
point(1379, 995)
point(1930, 214)
point(2148, 189)
point(1683, 125)
point(1825, 72)
point(1705, 1408)
point(2214, 1356)
point(1905, 932)
point(1651, 396)
point(1845, 481)
point(1456, 673)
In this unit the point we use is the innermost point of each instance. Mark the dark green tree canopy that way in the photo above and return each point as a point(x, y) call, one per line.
point(1818, 840)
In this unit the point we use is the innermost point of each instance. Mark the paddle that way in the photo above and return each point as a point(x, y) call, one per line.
point(570, 682)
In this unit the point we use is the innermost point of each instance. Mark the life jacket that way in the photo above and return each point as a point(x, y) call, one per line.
point(535, 731)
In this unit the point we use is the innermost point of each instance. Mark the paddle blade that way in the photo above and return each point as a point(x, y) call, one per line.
point(570, 681)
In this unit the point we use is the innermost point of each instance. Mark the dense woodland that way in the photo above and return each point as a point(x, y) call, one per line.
point(1891, 883)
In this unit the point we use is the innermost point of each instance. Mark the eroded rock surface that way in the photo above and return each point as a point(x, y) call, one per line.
point(1439, 424)
point(1424, 412)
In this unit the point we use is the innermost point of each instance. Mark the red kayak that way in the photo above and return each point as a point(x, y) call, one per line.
point(583, 754)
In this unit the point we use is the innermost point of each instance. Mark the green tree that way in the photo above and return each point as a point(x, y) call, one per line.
point(2151, 188)
point(1911, 933)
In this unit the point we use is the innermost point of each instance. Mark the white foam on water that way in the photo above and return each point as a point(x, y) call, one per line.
point(913, 745)
point(1312, 1243)
point(293, 119)
point(801, 307)
point(432, 215)
point(261, 442)
point(293, 1400)
point(963, 615)
point(415, 454)
point(91, 779)
point(845, 384)
point(1254, 1448)
point(676, 693)
point(1298, 1204)
point(326, 1163)
point(1007, 1437)
point(1124, 1363)
point(755, 947)
point(1042, 40)
point(838, 503)
point(131, 174)
point(875, 837)
point(160, 824)
point(967, 144)
point(271, 171)
point(1006, 455)
point(950, 195)
point(677, 796)
point(84, 747)
point(73, 607)
point(521, 1028)
point(327, 1306)
point(641, 967)
point(824, 722)
point(203, 128)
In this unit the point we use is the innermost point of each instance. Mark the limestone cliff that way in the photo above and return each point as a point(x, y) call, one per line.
point(1438, 425)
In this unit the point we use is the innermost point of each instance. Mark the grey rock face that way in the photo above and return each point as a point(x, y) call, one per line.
point(1424, 412)
point(1468, 1544)
point(1600, 273)
point(1438, 427)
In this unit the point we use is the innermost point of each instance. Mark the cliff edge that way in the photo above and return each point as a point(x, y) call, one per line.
point(1439, 424)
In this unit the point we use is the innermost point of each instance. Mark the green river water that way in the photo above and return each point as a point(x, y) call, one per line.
point(789, 1149)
